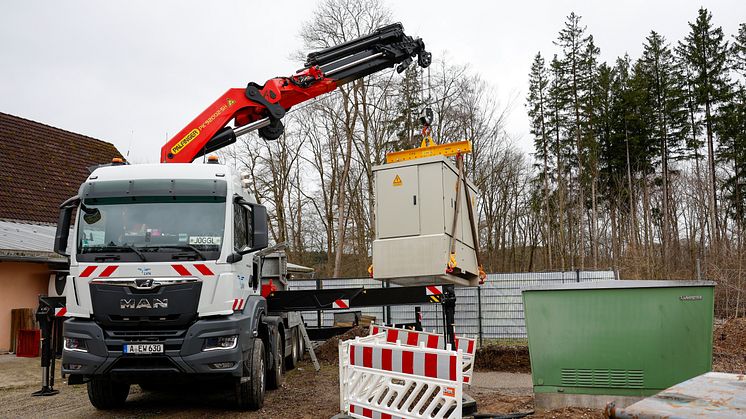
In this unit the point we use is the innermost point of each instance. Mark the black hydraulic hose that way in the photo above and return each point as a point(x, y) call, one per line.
point(501, 416)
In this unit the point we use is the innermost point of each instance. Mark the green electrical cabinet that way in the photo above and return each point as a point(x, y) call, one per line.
point(591, 343)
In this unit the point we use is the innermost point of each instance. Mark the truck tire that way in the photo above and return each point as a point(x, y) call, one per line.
point(249, 391)
point(276, 371)
point(301, 347)
point(292, 360)
point(107, 394)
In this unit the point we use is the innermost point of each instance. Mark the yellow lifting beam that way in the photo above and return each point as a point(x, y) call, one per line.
point(429, 148)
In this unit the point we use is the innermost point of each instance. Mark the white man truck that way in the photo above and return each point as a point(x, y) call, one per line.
point(163, 283)
point(164, 280)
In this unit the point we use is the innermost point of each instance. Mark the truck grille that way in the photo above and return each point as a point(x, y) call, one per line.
point(144, 334)
point(166, 306)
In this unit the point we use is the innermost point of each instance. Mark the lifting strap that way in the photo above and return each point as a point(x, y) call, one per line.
point(470, 211)
point(452, 255)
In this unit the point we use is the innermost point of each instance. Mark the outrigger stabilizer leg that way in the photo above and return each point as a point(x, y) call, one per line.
point(49, 325)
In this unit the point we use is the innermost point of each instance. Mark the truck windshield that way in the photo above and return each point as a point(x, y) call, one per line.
point(151, 229)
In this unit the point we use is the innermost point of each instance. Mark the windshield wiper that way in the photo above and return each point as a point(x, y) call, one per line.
point(136, 250)
point(181, 247)
point(114, 248)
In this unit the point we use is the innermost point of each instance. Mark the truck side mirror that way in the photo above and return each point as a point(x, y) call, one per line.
point(63, 225)
point(259, 228)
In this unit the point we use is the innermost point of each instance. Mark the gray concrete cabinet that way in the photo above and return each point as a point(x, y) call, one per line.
point(415, 202)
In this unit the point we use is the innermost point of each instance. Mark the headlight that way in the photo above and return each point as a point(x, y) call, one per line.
point(75, 344)
point(221, 342)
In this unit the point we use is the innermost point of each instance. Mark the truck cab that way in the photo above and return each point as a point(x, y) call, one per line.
point(164, 283)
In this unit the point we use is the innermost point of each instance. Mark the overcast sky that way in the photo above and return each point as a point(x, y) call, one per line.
point(133, 72)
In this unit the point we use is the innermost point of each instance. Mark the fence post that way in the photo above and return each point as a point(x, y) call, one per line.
point(479, 313)
point(387, 315)
point(318, 312)
point(577, 275)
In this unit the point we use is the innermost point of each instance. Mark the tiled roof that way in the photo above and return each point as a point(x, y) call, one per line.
point(42, 166)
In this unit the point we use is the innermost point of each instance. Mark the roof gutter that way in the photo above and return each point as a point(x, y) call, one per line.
point(9, 255)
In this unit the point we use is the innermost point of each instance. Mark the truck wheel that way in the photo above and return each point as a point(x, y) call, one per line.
point(106, 394)
point(276, 372)
point(292, 360)
point(301, 347)
point(249, 391)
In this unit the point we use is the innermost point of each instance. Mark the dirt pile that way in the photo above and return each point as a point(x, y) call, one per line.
point(329, 351)
point(503, 358)
point(729, 346)
point(501, 404)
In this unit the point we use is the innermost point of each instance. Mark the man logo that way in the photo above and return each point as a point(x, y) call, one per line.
point(144, 271)
point(144, 283)
point(143, 303)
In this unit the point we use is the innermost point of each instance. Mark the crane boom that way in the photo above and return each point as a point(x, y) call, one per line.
point(262, 107)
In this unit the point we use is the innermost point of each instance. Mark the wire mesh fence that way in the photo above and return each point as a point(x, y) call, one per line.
point(492, 311)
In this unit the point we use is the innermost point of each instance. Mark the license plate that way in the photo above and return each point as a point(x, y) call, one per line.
point(144, 348)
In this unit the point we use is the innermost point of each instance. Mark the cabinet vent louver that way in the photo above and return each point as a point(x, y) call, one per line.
point(579, 377)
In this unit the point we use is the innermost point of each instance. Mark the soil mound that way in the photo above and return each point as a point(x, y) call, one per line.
point(729, 346)
point(501, 404)
point(329, 351)
point(503, 358)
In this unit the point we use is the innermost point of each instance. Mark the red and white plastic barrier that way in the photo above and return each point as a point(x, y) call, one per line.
point(431, 340)
point(386, 380)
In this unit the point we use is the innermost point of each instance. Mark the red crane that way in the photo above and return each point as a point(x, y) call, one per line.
point(262, 107)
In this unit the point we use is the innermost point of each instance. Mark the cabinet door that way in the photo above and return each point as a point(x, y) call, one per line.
point(466, 236)
point(397, 202)
point(449, 203)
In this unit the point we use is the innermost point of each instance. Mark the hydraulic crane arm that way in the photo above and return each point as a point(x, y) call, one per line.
point(263, 107)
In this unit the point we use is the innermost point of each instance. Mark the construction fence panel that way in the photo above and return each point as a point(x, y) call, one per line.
point(492, 311)
point(381, 379)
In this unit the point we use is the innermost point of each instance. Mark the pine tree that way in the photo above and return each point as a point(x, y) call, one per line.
point(408, 107)
point(590, 141)
point(668, 119)
point(610, 162)
point(738, 51)
point(608, 166)
point(704, 51)
point(574, 42)
point(731, 128)
point(557, 100)
point(537, 112)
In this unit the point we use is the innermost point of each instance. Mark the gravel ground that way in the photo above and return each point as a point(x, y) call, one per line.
point(507, 383)
point(305, 394)
point(19, 372)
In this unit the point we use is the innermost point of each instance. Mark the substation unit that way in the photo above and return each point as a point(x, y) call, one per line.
point(616, 341)
point(425, 228)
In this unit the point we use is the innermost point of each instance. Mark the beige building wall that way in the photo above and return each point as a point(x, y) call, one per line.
point(20, 286)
